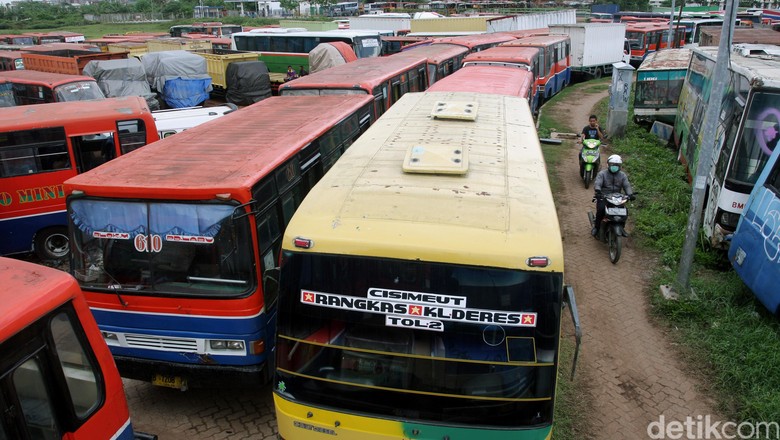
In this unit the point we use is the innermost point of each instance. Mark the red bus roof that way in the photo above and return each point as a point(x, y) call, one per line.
point(47, 78)
point(499, 80)
point(364, 73)
point(644, 27)
point(222, 155)
point(61, 46)
point(471, 41)
point(507, 54)
point(14, 54)
point(436, 53)
point(60, 113)
point(538, 40)
point(29, 292)
point(528, 32)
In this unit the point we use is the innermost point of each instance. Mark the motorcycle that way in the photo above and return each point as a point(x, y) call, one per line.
point(613, 227)
point(590, 160)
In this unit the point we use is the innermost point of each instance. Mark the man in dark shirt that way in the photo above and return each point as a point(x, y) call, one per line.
point(592, 130)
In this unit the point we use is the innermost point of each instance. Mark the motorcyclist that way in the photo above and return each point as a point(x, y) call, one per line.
point(593, 130)
point(610, 180)
point(590, 131)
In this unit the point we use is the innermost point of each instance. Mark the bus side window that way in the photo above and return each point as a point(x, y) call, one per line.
point(37, 406)
point(93, 150)
point(77, 367)
point(17, 162)
point(132, 135)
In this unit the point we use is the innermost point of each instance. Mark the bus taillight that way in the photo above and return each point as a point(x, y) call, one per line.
point(538, 262)
point(303, 243)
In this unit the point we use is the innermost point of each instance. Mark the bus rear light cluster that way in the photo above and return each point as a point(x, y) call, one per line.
point(303, 243)
point(538, 262)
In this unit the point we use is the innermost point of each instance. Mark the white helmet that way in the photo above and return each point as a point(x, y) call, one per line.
point(615, 159)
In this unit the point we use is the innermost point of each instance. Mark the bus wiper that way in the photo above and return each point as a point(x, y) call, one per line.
point(115, 286)
point(217, 280)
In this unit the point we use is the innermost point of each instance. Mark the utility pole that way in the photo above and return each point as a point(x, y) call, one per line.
point(709, 140)
point(670, 37)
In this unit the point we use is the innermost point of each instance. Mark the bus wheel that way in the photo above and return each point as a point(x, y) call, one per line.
point(52, 244)
point(599, 73)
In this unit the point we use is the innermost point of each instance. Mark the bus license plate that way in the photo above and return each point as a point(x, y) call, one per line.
point(169, 382)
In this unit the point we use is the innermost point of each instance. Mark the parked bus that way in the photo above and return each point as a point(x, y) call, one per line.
point(443, 59)
point(496, 79)
point(214, 28)
point(281, 49)
point(20, 40)
point(747, 122)
point(35, 87)
point(476, 42)
point(44, 145)
point(554, 55)
point(55, 37)
point(694, 26)
point(59, 380)
point(525, 58)
point(422, 281)
point(659, 81)
point(172, 121)
point(179, 240)
point(11, 60)
point(755, 245)
point(646, 38)
point(386, 79)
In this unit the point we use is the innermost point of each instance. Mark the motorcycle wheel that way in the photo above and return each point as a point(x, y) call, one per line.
point(587, 178)
point(615, 243)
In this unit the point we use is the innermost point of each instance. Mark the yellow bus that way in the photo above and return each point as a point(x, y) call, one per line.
point(422, 281)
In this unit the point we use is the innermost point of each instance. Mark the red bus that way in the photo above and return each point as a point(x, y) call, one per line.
point(477, 42)
point(59, 380)
point(55, 37)
point(384, 78)
point(19, 40)
point(176, 245)
point(647, 37)
point(494, 79)
point(443, 59)
point(554, 51)
point(35, 87)
point(525, 58)
point(11, 60)
point(41, 147)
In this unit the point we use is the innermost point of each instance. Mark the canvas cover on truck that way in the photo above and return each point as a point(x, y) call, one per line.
point(326, 55)
point(179, 76)
point(124, 77)
point(247, 82)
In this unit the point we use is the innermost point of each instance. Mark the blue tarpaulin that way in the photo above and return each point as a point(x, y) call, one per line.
point(185, 92)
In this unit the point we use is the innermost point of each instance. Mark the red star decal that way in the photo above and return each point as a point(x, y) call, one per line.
point(308, 297)
point(415, 310)
point(529, 319)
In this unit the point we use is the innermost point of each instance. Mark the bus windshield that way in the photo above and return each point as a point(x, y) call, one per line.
point(366, 47)
point(759, 136)
point(659, 88)
point(182, 249)
point(419, 340)
point(636, 40)
point(78, 91)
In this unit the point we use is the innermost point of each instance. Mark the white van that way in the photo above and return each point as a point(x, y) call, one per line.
point(172, 121)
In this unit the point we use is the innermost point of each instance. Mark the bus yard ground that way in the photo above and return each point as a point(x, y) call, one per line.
point(632, 369)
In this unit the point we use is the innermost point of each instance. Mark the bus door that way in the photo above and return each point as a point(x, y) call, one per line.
point(92, 150)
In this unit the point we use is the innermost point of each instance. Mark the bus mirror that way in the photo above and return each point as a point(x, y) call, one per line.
point(271, 284)
point(575, 317)
point(238, 211)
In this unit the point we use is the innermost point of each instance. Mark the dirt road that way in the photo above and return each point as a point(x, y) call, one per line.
point(629, 368)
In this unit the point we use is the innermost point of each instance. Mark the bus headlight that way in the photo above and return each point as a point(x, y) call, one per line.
point(729, 220)
point(221, 344)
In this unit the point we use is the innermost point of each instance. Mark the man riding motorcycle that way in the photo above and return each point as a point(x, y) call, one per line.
point(610, 180)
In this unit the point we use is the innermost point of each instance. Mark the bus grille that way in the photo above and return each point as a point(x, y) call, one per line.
point(161, 343)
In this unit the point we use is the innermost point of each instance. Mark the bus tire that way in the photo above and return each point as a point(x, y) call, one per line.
point(52, 243)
